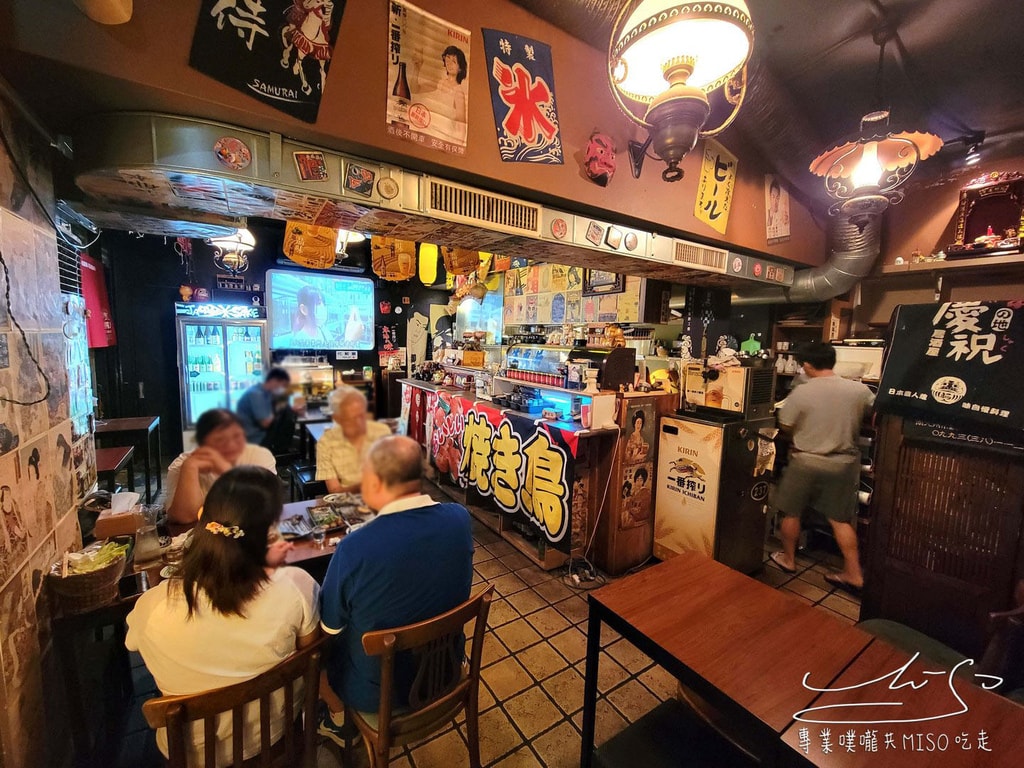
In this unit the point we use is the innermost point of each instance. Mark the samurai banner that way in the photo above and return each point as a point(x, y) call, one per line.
point(428, 79)
point(716, 185)
point(526, 467)
point(959, 361)
point(277, 51)
point(523, 98)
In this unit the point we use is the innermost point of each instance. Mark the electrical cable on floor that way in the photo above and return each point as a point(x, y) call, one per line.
point(580, 573)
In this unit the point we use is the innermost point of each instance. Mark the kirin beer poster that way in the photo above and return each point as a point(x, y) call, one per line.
point(428, 79)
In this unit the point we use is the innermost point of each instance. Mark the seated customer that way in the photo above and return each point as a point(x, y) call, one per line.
point(412, 562)
point(229, 614)
point(340, 452)
point(222, 446)
point(256, 405)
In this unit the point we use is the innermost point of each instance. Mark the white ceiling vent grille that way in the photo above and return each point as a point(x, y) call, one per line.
point(470, 206)
point(686, 254)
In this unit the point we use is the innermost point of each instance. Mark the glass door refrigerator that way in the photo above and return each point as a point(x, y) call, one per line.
point(221, 352)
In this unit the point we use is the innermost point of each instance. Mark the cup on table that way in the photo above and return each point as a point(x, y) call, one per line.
point(319, 534)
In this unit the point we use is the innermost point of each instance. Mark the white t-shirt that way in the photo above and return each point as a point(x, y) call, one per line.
point(211, 650)
point(254, 455)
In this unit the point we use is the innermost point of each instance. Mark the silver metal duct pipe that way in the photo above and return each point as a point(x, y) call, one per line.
point(853, 253)
point(771, 121)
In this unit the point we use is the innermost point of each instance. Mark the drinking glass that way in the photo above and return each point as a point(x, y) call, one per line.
point(319, 533)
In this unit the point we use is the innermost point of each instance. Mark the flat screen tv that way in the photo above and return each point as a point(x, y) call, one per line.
point(314, 311)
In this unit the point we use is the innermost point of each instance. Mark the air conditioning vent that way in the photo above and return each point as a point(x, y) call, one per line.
point(470, 206)
point(700, 256)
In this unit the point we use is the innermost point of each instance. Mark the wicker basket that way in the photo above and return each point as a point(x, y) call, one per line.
point(81, 592)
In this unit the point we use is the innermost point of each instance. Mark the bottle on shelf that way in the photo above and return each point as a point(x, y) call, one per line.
point(200, 337)
point(217, 364)
point(246, 337)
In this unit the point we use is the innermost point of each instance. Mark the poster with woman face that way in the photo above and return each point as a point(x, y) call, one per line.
point(428, 79)
point(776, 205)
point(638, 467)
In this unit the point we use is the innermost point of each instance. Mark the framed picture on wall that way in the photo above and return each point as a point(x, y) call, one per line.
point(596, 281)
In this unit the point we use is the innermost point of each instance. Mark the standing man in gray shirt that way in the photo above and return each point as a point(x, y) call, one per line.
point(823, 418)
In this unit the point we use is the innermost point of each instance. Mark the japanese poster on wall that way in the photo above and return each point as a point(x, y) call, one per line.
point(957, 361)
point(716, 185)
point(277, 51)
point(523, 98)
point(638, 468)
point(526, 467)
point(776, 206)
point(428, 79)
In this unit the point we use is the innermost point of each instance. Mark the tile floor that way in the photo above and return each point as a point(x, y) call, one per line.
point(532, 693)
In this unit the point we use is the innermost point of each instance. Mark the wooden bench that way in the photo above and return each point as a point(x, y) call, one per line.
point(110, 461)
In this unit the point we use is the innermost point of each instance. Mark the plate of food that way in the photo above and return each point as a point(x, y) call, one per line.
point(342, 499)
point(327, 516)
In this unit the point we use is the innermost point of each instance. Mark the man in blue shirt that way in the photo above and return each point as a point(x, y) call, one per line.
point(411, 563)
point(255, 407)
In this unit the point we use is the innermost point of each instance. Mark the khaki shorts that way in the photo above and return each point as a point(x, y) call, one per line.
point(827, 485)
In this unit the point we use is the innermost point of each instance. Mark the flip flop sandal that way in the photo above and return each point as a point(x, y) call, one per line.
point(840, 583)
point(776, 557)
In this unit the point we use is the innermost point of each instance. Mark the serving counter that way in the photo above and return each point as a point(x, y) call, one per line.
point(552, 488)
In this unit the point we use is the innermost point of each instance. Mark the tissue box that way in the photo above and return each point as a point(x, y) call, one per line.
point(117, 523)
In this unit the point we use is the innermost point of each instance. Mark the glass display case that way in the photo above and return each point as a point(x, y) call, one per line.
point(559, 366)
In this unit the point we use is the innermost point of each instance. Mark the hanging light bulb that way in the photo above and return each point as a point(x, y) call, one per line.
point(346, 236)
point(231, 252)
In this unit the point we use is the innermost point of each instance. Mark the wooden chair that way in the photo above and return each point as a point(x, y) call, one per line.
point(444, 685)
point(297, 746)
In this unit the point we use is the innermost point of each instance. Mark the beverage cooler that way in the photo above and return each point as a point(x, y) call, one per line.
point(222, 350)
point(712, 494)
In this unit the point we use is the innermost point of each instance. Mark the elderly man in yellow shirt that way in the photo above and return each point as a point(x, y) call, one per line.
point(340, 452)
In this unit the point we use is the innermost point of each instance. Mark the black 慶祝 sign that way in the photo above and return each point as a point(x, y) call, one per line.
point(277, 51)
point(958, 361)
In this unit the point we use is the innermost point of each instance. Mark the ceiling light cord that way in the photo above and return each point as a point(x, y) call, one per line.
point(24, 339)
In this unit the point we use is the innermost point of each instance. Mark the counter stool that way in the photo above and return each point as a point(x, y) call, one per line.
point(304, 484)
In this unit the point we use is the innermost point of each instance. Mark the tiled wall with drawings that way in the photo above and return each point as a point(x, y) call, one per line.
point(40, 446)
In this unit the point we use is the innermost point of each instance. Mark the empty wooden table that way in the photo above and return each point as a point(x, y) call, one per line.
point(137, 431)
point(110, 461)
point(741, 645)
point(864, 729)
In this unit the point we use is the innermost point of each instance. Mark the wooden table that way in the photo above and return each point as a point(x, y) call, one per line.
point(135, 431)
point(913, 744)
point(110, 461)
point(741, 645)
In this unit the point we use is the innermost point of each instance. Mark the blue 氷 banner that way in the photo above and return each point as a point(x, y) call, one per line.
point(523, 98)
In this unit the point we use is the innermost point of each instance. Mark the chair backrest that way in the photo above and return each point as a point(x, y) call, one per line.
point(177, 713)
point(439, 689)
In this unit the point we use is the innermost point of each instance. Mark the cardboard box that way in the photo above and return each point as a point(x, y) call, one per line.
point(117, 524)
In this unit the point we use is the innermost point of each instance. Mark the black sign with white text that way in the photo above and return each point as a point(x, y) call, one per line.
point(958, 362)
point(277, 51)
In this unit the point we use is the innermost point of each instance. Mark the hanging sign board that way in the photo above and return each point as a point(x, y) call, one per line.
point(716, 185)
point(957, 362)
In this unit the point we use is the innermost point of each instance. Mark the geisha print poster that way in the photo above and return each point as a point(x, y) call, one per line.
point(523, 98)
point(277, 51)
point(428, 79)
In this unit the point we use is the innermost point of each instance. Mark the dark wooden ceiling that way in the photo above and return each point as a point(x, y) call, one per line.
point(952, 67)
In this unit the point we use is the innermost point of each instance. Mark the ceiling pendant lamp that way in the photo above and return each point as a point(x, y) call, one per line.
point(231, 252)
point(345, 237)
point(665, 58)
point(865, 172)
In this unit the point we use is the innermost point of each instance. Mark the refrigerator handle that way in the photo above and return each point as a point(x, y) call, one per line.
point(142, 391)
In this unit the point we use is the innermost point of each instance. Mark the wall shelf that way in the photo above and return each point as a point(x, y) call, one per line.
point(980, 263)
